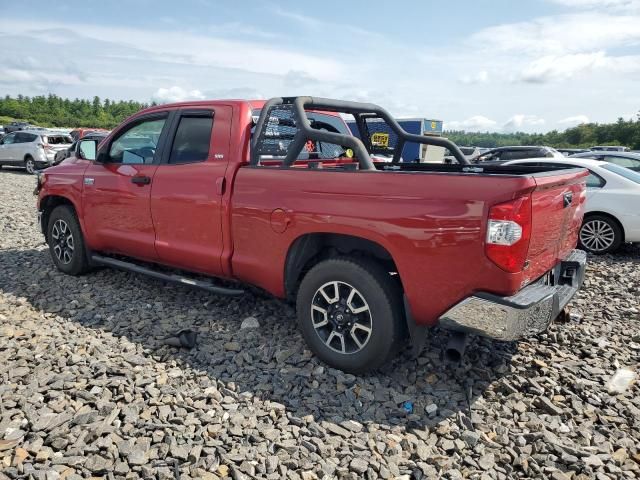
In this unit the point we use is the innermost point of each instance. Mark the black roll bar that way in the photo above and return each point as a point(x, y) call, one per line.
point(358, 110)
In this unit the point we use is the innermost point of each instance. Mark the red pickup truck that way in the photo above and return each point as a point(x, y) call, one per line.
point(280, 195)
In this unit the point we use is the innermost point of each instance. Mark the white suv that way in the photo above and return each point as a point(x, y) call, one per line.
point(32, 149)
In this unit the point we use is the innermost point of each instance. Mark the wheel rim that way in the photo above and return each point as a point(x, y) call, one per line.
point(597, 235)
point(63, 245)
point(30, 166)
point(341, 317)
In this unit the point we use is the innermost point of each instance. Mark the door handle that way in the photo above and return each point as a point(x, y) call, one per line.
point(141, 180)
point(220, 184)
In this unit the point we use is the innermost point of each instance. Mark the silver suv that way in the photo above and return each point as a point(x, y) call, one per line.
point(32, 149)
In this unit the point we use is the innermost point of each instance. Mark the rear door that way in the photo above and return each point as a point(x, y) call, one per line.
point(188, 188)
point(117, 190)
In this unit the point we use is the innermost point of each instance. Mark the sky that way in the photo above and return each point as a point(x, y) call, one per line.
point(478, 65)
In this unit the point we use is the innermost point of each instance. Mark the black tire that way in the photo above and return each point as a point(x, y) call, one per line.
point(30, 165)
point(600, 234)
point(62, 224)
point(379, 294)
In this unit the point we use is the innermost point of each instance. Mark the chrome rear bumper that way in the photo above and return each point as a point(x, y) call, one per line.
point(528, 312)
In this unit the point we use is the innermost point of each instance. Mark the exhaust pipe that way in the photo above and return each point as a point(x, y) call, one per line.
point(456, 346)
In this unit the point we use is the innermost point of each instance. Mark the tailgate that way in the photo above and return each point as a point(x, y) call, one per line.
point(557, 210)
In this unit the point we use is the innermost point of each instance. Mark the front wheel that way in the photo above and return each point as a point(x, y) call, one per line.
point(350, 314)
point(600, 234)
point(66, 243)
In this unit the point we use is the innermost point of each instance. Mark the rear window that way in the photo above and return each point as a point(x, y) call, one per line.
point(57, 139)
point(280, 131)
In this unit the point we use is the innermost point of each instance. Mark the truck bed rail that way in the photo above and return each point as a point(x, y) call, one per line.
point(290, 111)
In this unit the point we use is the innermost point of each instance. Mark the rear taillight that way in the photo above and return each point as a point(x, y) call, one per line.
point(508, 234)
point(45, 146)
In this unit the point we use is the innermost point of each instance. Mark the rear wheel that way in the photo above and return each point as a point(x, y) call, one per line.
point(30, 165)
point(350, 314)
point(66, 243)
point(600, 234)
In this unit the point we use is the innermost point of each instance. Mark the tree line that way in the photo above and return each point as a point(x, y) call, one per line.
point(54, 111)
point(623, 132)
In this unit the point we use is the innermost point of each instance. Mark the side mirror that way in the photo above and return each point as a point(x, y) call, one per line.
point(87, 149)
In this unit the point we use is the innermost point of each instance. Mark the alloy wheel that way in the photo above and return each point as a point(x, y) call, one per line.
point(62, 241)
point(341, 317)
point(30, 166)
point(597, 235)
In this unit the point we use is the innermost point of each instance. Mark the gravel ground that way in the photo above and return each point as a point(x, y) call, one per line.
point(88, 387)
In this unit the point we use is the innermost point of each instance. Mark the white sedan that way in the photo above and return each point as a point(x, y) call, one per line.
point(612, 214)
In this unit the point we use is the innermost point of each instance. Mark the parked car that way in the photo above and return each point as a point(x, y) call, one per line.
point(368, 252)
point(80, 133)
point(31, 149)
point(503, 154)
point(610, 148)
point(572, 151)
point(624, 159)
point(613, 196)
point(16, 126)
point(72, 151)
point(469, 152)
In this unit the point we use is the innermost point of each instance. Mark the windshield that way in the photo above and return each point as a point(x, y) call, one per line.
point(623, 172)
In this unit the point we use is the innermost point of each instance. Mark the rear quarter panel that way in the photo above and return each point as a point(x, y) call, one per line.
point(432, 225)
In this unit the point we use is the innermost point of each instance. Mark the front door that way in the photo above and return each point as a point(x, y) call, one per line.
point(117, 189)
point(188, 188)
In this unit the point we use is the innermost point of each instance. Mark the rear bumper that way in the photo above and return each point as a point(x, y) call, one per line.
point(528, 312)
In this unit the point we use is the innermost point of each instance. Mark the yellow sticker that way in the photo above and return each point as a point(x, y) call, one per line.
point(433, 125)
point(380, 139)
point(349, 153)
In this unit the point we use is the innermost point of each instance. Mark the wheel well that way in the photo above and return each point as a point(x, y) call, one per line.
point(308, 250)
point(28, 156)
point(608, 215)
point(47, 204)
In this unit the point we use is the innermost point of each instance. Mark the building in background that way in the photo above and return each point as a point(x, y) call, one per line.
point(383, 138)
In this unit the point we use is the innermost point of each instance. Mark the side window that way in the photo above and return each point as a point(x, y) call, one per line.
point(192, 139)
point(622, 161)
point(9, 139)
point(595, 181)
point(138, 144)
point(509, 155)
point(20, 138)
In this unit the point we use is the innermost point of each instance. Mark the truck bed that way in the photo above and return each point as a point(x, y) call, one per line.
point(432, 219)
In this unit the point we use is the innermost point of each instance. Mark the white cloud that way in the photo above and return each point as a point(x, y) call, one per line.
point(520, 121)
point(561, 67)
point(574, 120)
point(601, 4)
point(559, 35)
point(481, 77)
point(181, 47)
point(176, 94)
point(477, 123)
